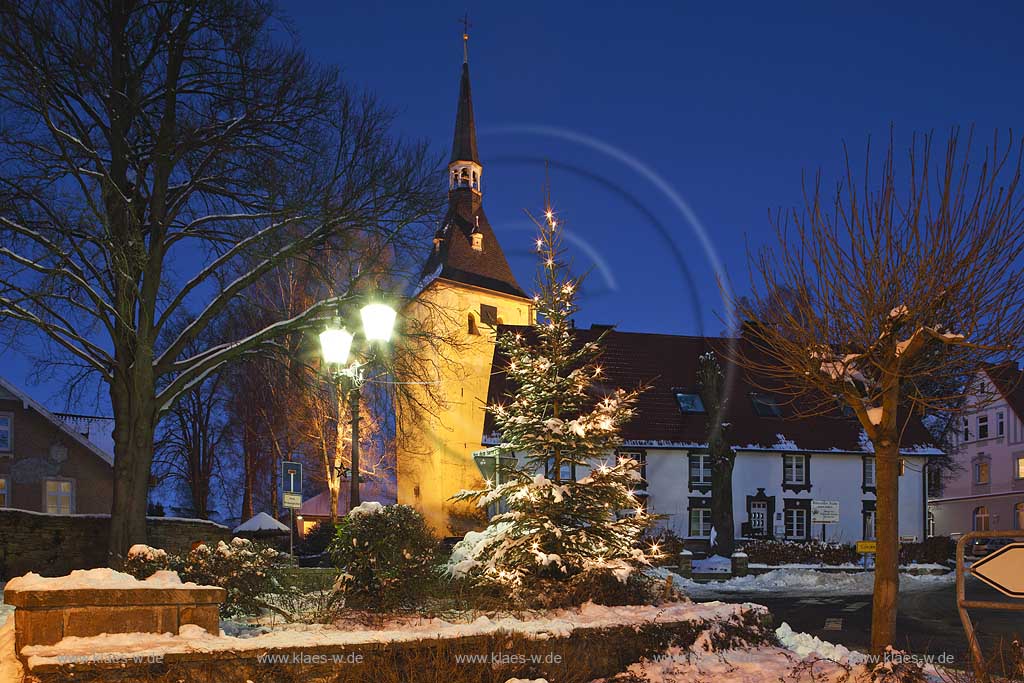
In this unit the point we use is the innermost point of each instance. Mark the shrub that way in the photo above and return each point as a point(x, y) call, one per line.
point(315, 542)
point(387, 555)
point(668, 543)
point(243, 568)
point(937, 549)
point(792, 552)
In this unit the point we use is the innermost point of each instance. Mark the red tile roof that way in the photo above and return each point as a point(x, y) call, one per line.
point(666, 363)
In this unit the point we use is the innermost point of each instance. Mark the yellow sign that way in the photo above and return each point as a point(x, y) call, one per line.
point(866, 547)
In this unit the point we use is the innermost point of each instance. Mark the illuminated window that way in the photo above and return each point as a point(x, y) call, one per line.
point(60, 496)
point(981, 518)
point(1018, 515)
point(981, 472)
point(1020, 468)
point(5, 493)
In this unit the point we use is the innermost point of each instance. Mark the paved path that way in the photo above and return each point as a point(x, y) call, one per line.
point(927, 620)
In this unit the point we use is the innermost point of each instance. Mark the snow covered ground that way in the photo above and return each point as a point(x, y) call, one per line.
point(799, 582)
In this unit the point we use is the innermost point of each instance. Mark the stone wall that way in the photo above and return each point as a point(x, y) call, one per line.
point(53, 545)
point(586, 654)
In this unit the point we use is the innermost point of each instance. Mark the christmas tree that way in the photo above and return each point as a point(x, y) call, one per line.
point(556, 525)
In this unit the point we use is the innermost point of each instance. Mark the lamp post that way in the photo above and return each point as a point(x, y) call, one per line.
point(336, 344)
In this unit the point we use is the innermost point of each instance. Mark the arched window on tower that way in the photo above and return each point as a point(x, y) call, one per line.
point(472, 326)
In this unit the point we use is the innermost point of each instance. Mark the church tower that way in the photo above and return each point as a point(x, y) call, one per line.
point(467, 290)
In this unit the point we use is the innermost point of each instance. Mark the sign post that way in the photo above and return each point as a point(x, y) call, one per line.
point(1001, 570)
point(824, 512)
point(291, 488)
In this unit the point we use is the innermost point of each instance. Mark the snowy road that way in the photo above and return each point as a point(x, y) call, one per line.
point(927, 621)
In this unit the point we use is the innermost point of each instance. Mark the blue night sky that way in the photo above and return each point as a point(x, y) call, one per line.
point(657, 119)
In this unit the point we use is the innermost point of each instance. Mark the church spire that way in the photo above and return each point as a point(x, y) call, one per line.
point(464, 169)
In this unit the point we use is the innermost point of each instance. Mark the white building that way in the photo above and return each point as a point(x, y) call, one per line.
point(987, 492)
point(782, 465)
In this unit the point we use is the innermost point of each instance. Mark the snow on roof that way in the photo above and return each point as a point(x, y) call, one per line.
point(92, 579)
point(377, 490)
point(28, 402)
point(261, 522)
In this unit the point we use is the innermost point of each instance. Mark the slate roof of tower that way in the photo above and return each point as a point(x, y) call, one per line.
point(464, 140)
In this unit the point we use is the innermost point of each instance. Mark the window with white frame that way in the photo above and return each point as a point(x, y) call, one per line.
point(983, 426)
point(6, 432)
point(60, 496)
point(5, 492)
point(794, 469)
point(981, 518)
point(796, 523)
point(700, 522)
point(869, 472)
point(700, 468)
point(1000, 423)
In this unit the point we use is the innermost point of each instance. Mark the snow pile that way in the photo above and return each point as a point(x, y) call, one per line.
point(96, 579)
point(716, 564)
point(370, 507)
point(143, 552)
point(802, 582)
point(806, 645)
point(260, 522)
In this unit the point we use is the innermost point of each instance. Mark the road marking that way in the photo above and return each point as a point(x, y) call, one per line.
point(853, 607)
point(834, 624)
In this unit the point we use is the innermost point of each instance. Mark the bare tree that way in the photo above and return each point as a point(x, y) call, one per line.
point(165, 156)
point(903, 281)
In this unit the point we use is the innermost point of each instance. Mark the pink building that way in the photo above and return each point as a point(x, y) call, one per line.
point(988, 491)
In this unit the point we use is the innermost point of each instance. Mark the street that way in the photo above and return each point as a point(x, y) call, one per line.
point(928, 622)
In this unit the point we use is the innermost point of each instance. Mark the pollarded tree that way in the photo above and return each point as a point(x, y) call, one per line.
point(557, 525)
point(901, 283)
point(165, 156)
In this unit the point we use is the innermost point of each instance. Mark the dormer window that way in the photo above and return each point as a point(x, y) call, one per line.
point(765, 405)
point(477, 241)
point(689, 403)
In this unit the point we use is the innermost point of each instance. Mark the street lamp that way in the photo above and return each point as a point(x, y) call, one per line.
point(335, 344)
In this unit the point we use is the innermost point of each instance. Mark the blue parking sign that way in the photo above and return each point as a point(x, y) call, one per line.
point(291, 477)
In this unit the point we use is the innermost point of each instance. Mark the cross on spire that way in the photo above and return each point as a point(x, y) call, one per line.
point(465, 37)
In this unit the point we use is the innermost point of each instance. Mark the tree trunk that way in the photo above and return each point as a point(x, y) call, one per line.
point(249, 476)
point(721, 505)
point(353, 500)
point(887, 577)
point(135, 425)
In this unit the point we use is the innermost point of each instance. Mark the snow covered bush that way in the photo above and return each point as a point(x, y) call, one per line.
point(243, 568)
point(387, 555)
point(776, 553)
